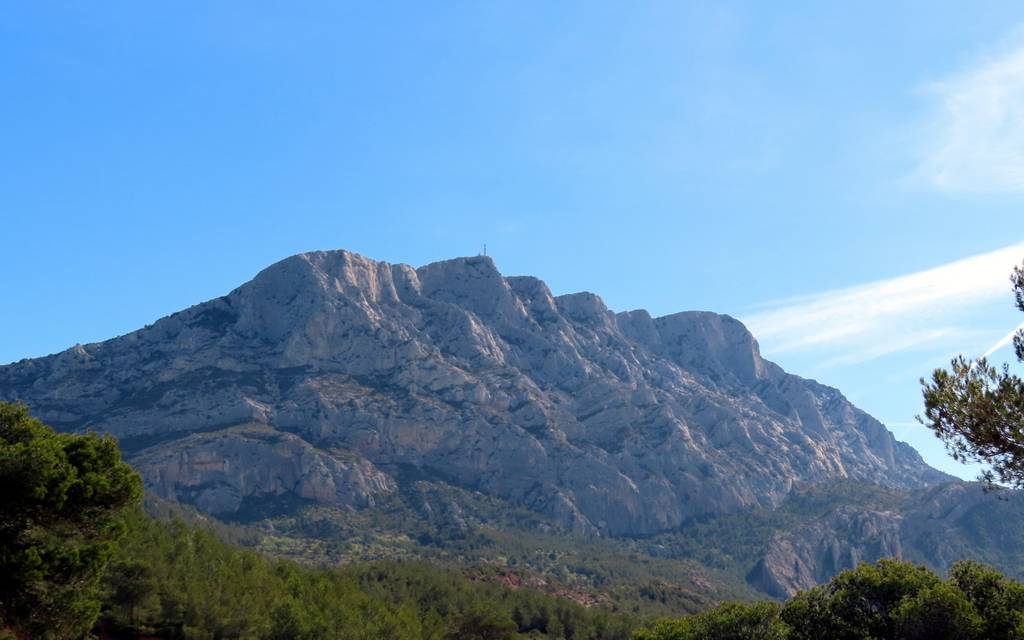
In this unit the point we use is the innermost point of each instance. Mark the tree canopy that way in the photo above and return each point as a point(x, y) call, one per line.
point(888, 600)
point(978, 410)
point(61, 511)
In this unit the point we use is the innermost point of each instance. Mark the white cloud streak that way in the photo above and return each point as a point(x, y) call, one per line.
point(977, 139)
point(1003, 342)
point(861, 323)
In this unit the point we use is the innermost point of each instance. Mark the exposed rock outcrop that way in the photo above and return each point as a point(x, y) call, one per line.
point(935, 526)
point(219, 471)
point(611, 423)
point(815, 552)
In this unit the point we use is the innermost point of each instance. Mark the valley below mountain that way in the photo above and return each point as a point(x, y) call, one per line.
point(337, 408)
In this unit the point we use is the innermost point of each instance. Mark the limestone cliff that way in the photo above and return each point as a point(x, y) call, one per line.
point(935, 526)
point(347, 373)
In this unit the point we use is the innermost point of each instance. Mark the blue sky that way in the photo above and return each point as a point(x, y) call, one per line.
point(765, 160)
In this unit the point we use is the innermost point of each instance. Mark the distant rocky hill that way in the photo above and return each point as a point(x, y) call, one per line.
point(335, 380)
point(935, 527)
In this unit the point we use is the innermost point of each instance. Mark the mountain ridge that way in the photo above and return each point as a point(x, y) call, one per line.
point(613, 423)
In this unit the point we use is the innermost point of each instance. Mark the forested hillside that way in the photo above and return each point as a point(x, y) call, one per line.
point(175, 580)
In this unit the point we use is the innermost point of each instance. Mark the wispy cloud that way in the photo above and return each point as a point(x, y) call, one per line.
point(977, 139)
point(914, 311)
point(1005, 340)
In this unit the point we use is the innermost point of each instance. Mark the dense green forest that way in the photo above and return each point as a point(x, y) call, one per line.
point(175, 580)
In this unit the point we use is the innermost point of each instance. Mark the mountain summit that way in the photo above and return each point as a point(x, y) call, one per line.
point(334, 378)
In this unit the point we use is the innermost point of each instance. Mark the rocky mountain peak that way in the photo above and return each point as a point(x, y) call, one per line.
point(712, 342)
point(473, 284)
point(585, 308)
point(609, 423)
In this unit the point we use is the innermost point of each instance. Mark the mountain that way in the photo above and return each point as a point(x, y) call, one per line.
point(334, 381)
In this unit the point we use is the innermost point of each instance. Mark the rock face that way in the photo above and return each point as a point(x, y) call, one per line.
point(351, 373)
point(815, 552)
point(935, 526)
point(219, 471)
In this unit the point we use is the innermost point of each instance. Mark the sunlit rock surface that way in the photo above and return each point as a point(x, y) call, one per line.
point(346, 371)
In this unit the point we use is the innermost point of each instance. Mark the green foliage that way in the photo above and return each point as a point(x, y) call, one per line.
point(998, 600)
point(494, 540)
point(191, 585)
point(483, 622)
point(729, 621)
point(888, 600)
point(860, 601)
point(61, 512)
point(978, 411)
point(940, 611)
